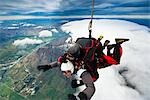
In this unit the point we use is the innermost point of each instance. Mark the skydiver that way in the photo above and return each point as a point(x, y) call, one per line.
point(117, 52)
point(84, 78)
point(71, 63)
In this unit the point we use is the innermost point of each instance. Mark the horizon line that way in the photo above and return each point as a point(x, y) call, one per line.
point(21, 17)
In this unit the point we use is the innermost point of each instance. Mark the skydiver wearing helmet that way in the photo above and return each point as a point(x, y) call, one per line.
point(77, 62)
point(72, 54)
point(85, 78)
point(70, 64)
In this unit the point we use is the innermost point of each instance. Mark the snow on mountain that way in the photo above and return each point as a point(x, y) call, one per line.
point(132, 84)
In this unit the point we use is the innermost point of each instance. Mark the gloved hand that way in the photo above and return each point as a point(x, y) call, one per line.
point(43, 67)
point(76, 83)
point(71, 97)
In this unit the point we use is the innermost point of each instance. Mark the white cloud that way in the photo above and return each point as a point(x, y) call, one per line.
point(28, 25)
point(128, 9)
point(135, 1)
point(19, 17)
point(26, 41)
point(14, 24)
point(54, 30)
point(11, 28)
point(45, 33)
point(81, 29)
point(69, 40)
point(39, 27)
point(104, 5)
point(110, 85)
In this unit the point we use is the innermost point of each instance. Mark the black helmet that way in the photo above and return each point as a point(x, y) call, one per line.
point(75, 50)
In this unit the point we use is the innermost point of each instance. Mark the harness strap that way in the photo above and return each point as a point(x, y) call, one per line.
point(80, 71)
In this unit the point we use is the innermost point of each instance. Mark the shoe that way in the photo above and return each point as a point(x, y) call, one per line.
point(121, 40)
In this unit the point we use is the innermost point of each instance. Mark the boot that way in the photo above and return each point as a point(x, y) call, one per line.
point(120, 40)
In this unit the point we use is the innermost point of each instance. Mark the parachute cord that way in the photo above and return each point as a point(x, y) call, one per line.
point(90, 23)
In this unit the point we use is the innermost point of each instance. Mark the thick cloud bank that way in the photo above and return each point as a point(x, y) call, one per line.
point(26, 41)
point(132, 84)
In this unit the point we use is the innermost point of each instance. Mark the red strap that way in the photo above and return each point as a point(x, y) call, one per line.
point(94, 78)
point(120, 49)
point(110, 60)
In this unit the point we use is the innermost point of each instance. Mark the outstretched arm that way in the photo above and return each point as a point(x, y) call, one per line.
point(48, 66)
point(52, 64)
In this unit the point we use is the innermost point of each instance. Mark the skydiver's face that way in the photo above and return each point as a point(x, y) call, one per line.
point(68, 73)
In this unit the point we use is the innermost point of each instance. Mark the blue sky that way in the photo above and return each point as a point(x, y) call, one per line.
point(44, 8)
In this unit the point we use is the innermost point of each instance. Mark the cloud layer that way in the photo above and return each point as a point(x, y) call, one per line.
point(25, 7)
point(73, 7)
point(111, 85)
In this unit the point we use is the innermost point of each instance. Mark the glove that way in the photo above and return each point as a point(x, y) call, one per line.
point(62, 59)
point(76, 83)
point(43, 67)
point(71, 97)
point(82, 96)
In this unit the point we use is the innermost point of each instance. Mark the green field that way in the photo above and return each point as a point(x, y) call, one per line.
point(8, 94)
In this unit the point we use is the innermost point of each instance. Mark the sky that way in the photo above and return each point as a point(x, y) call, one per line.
point(46, 8)
point(111, 85)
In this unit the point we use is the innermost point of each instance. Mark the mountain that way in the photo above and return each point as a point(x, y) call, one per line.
point(24, 81)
